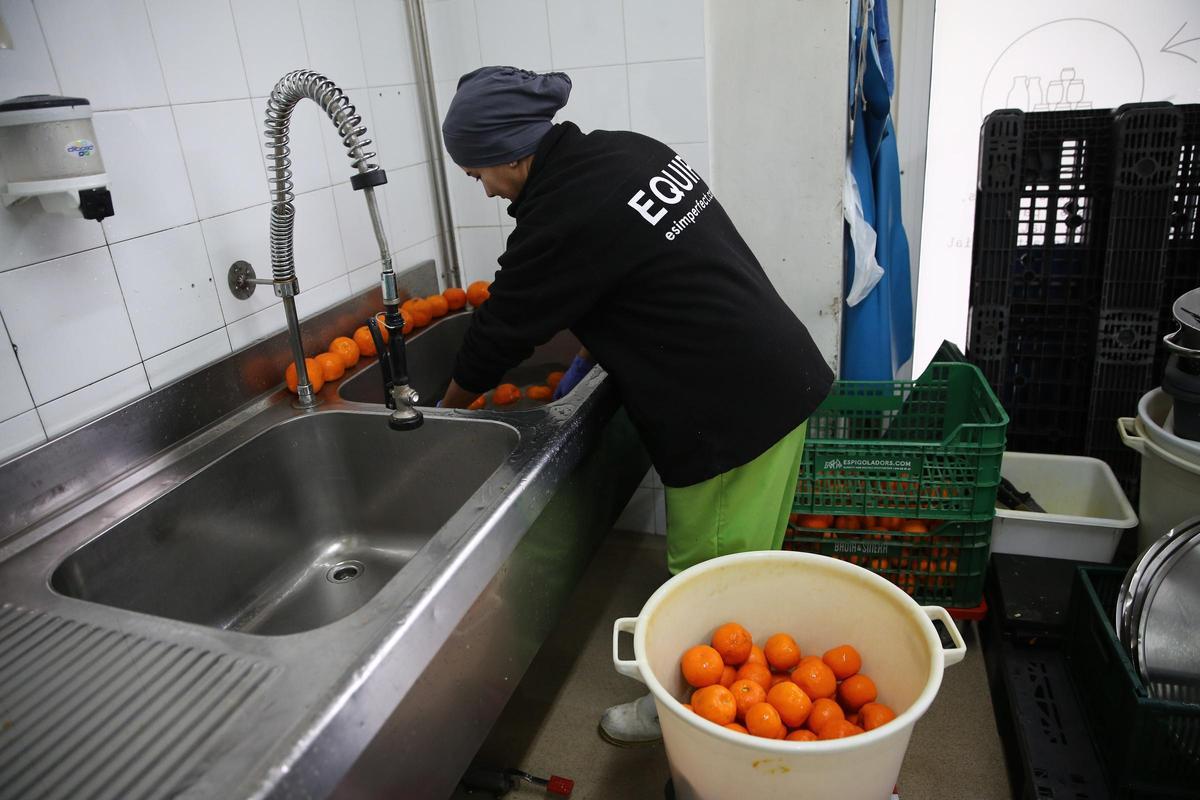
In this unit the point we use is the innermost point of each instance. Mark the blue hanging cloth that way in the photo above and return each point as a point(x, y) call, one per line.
point(877, 331)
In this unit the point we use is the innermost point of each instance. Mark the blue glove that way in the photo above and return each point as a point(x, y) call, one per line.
point(574, 374)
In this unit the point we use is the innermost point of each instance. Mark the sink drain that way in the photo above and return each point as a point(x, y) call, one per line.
point(344, 571)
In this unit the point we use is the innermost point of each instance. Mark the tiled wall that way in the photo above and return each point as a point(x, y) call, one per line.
point(98, 314)
point(634, 65)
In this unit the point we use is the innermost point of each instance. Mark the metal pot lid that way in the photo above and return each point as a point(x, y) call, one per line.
point(1130, 598)
point(1186, 340)
point(1166, 645)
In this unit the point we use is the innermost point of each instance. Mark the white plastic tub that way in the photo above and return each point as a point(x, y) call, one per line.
point(1086, 509)
point(822, 602)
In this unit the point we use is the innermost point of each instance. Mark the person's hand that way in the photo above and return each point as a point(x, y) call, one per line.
point(580, 366)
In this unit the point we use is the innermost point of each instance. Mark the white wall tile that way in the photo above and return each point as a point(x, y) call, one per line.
point(168, 288)
point(399, 134)
point(354, 222)
point(340, 170)
point(241, 236)
point(226, 166)
point(106, 55)
point(25, 68)
point(198, 49)
point(589, 34)
point(310, 167)
point(668, 100)
point(271, 38)
point(30, 235)
point(470, 204)
point(599, 99)
point(412, 256)
point(639, 514)
point(319, 255)
point(366, 276)
point(93, 401)
point(14, 395)
point(318, 298)
point(660, 511)
point(696, 155)
point(149, 181)
point(664, 29)
point(334, 47)
point(478, 249)
point(514, 33)
point(37, 300)
point(187, 357)
point(383, 30)
point(453, 38)
point(259, 325)
point(410, 206)
point(20, 434)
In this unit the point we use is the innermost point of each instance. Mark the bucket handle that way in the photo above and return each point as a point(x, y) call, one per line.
point(953, 655)
point(627, 668)
point(1135, 441)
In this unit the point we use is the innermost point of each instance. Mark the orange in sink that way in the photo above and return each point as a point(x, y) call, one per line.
point(506, 394)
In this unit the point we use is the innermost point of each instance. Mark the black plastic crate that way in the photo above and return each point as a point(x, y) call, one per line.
point(1181, 268)
point(1150, 748)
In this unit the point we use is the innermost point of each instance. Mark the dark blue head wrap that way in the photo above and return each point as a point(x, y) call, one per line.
point(500, 114)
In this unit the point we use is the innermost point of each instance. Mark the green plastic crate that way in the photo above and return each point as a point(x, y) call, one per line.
point(1150, 748)
point(945, 566)
point(927, 449)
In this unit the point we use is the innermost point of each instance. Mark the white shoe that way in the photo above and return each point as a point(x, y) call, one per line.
point(632, 723)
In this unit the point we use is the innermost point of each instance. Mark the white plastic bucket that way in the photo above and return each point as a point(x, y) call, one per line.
point(822, 602)
point(1170, 483)
point(1086, 510)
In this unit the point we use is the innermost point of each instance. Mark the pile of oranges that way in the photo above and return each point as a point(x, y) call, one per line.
point(915, 554)
point(508, 393)
point(776, 693)
point(345, 351)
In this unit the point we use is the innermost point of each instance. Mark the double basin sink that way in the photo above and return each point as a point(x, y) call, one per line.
point(342, 563)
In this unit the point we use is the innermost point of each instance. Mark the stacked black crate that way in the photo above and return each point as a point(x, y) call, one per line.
point(1146, 149)
point(1181, 270)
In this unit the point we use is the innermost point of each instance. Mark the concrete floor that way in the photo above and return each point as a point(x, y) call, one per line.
point(549, 726)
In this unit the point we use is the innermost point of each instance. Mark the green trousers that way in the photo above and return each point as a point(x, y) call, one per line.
point(743, 509)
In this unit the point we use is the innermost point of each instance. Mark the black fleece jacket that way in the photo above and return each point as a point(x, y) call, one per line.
point(620, 241)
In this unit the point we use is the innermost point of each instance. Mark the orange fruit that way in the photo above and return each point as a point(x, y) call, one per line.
point(331, 364)
point(763, 720)
point(791, 702)
point(751, 671)
point(478, 403)
point(346, 349)
point(855, 718)
point(815, 678)
point(823, 712)
point(914, 526)
point(801, 736)
point(456, 298)
point(747, 693)
point(875, 714)
point(782, 652)
point(315, 376)
point(701, 665)
point(422, 312)
point(733, 642)
point(715, 703)
point(505, 395)
point(362, 338)
point(756, 656)
point(733, 726)
point(728, 676)
point(844, 660)
point(437, 305)
point(782, 677)
point(839, 729)
point(542, 393)
point(478, 292)
point(408, 321)
point(856, 691)
point(553, 378)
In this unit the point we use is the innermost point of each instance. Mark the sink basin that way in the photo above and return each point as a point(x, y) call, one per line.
point(293, 530)
point(431, 355)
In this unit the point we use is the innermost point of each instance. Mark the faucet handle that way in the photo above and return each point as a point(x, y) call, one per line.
point(385, 362)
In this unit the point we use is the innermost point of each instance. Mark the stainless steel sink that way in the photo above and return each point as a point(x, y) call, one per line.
point(431, 364)
point(293, 530)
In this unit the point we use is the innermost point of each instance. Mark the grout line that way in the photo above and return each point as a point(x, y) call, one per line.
point(125, 304)
point(49, 57)
point(238, 41)
point(361, 45)
point(625, 50)
point(549, 37)
point(88, 385)
point(17, 358)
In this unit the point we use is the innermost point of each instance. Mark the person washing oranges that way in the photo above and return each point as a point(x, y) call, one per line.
point(619, 240)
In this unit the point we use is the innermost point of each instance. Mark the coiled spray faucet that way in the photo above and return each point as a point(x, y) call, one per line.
point(288, 92)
